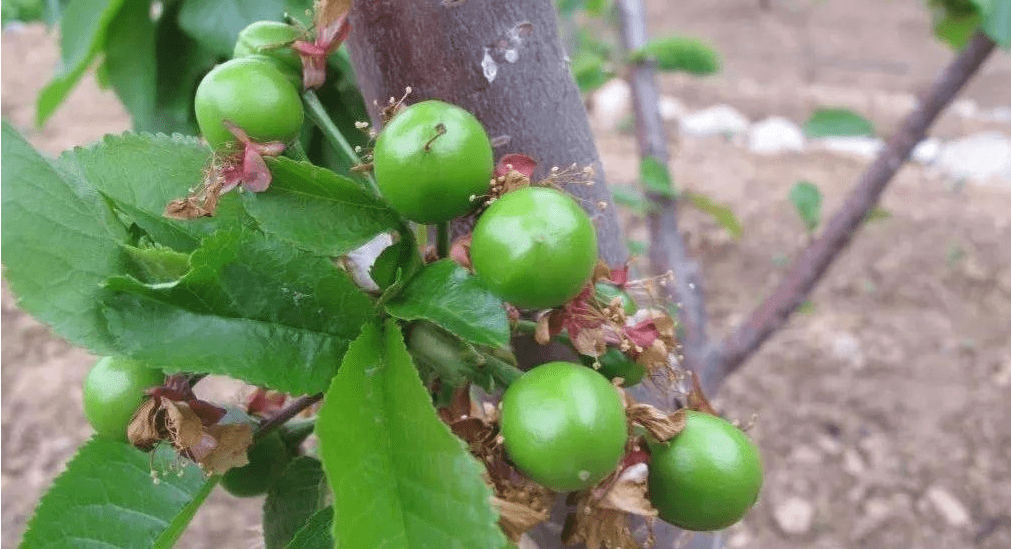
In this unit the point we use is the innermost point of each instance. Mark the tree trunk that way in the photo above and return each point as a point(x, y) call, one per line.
point(504, 62)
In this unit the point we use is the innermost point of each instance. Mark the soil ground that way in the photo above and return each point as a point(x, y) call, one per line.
point(883, 409)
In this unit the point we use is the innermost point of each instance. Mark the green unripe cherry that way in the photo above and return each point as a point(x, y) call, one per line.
point(267, 459)
point(251, 94)
point(534, 247)
point(564, 426)
point(113, 391)
point(707, 477)
point(433, 162)
point(272, 40)
point(614, 363)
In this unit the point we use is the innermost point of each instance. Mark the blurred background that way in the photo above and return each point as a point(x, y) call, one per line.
point(883, 409)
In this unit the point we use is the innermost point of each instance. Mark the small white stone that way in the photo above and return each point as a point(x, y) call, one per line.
point(978, 156)
point(794, 516)
point(716, 120)
point(612, 102)
point(829, 445)
point(966, 108)
point(671, 108)
point(775, 135)
point(846, 347)
point(927, 151)
point(859, 145)
point(741, 538)
point(853, 463)
point(948, 506)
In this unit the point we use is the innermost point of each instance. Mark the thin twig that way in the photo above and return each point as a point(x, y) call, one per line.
point(729, 354)
point(317, 113)
point(668, 251)
point(291, 410)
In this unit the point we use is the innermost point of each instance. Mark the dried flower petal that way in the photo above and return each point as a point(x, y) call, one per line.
point(233, 441)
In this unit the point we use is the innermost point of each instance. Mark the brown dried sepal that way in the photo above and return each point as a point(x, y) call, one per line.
point(202, 202)
point(590, 342)
point(232, 442)
point(216, 448)
point(521, 503)
point(602, 515)
point(329, 11)
point(521, 509)
point(658, 424)
point(697, 399)
point(143, 431)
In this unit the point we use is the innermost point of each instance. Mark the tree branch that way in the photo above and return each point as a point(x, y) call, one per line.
point(291, 410)
point(668, 250)
point(805, 272)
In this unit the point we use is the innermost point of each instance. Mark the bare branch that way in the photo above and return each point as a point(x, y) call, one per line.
point(291, 410)
point(805, 272)
point(668, 251)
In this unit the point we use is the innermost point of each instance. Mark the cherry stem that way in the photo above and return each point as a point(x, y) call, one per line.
point(295, 151)
point(291, 410)
point(442, 239)
point(440, 129)
point(317, 113)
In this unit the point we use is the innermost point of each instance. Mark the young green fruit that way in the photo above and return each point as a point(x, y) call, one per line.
point(433, 162)
point(606, 292)
point(707, 477)
point(251, 94)
point(614, 363)
point(272, 40)
point(564, 426)
point(267, 459)
point(113, 391)
point(535, 248)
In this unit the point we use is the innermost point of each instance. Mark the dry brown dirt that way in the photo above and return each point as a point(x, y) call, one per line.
point(883, 409)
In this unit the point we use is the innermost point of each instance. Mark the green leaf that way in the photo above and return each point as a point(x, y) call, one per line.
point(638, 248)
point(630, 198)
point(675, 53)
point(720, 212)
point(877, 213)
point(106, 498)
point(316, 532)
point(655, 177)
point(399, 476)
point(251, 307)
point(291, 501)
point(181, 63)
point(318, 210)
point(158, 264)
point(446, 294)
point(25, 11)
point(997, 21)
point(956, 30)
point(60, 242)
point(590, 72)
point(175, 529)
point(82, 34)
point(141, 173)
point(837, 122)
point(130, 60)
point(807, 199)
point(216, 23)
